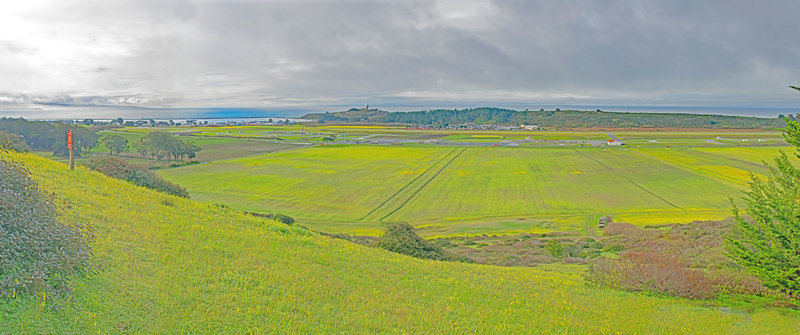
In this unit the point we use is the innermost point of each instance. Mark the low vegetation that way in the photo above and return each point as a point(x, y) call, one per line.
point(686, 260)
point(40, 253)
point(401, 238)
point(9, 141)
point(285, 219)
point(121, 169)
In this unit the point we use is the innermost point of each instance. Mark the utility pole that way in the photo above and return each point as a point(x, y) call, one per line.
point(71, 150)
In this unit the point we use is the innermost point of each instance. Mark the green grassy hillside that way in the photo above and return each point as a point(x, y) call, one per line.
point(176, 266)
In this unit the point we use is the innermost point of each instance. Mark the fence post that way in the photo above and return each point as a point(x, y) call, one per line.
point(71, 150)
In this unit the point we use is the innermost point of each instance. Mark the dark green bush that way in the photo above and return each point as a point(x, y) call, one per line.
point(285, 219)
point(120, 169)
point(38, 251)
point(12, 142)
point(401, 238)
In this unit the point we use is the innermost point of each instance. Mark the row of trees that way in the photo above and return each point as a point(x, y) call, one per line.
point(41, 135)
point(163, 145)
point(570, 119)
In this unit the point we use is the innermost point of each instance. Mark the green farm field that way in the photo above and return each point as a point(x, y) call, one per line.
point(172, 265)
point(473, 190)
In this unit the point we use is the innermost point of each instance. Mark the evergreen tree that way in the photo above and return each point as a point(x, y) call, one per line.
point(769, 245)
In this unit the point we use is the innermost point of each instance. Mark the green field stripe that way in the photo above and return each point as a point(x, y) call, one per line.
point(699, 171)
point(423, 185)
point(629, 180)
point(406, 185)
point(717, 157)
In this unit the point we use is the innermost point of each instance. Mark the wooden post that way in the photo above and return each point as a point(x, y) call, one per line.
point(71, 151)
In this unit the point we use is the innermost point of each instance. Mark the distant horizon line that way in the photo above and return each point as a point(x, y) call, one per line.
point(234, 112)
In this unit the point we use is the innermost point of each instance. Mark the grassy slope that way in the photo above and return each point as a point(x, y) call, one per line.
point(173, 265)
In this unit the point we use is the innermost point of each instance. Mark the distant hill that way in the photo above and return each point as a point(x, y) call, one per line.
point(350, 115)
point(551, 119)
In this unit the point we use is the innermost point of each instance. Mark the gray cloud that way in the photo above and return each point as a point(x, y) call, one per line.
point(321, 54)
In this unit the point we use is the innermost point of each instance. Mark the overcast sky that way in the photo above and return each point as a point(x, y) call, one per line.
point(330, 53)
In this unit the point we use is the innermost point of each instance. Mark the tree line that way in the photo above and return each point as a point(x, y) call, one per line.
point(163, 145)
point(560, 118)
point(41, 135)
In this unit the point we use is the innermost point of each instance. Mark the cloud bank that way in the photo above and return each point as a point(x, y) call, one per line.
point(323, 54)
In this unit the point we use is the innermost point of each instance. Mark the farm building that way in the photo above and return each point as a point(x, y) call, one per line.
point(615, 142)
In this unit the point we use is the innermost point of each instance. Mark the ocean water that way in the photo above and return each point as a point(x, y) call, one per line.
point(49, 112)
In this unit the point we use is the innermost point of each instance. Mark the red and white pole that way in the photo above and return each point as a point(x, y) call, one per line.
point(71, 151)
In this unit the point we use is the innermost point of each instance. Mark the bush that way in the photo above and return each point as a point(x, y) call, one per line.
point(572, 250)
point(285, 219)
point(613, 247)
point(401, 238)
point(13, 142)
point(118, 168)
point(555, 248)
point(652, 272)
point(38, 252)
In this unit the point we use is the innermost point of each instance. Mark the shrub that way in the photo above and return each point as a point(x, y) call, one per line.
point(38, 251)
point(118, 168)
point(13, 142)
point(572, 250)
point(555, 248)
point(652, 272)
point(401, 238)
point(613, 247)
point(285, 219)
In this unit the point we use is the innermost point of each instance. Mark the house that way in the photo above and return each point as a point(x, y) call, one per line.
point(615, 142)
point(529, 127)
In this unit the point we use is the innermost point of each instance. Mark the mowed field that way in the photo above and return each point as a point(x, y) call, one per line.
point(458, 190)
point(174, 266)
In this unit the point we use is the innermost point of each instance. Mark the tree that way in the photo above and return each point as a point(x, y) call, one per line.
point(163, 145)
point(769, 245)
point(116, 144)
